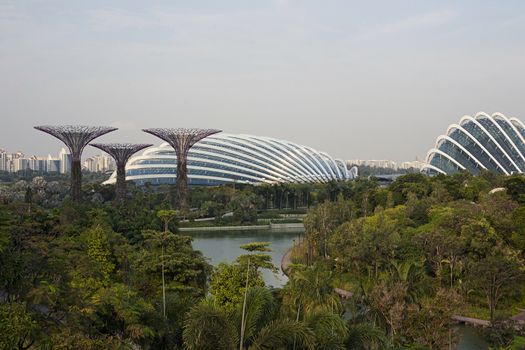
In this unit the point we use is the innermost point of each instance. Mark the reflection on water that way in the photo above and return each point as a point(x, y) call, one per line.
point(223, 246)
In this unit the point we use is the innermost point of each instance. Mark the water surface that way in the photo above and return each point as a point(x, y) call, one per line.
point(223, 246)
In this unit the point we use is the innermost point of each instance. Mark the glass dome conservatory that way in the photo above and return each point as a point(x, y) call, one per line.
point(494, 143)
point(231, 158)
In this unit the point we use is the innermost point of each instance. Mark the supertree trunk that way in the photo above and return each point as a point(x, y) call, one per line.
point(120, 187)
point(182, 183)
point(76, 180)
point(182, 140)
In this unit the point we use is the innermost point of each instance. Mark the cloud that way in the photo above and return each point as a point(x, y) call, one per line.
point(418, 22)
point(8, 12)
point(104, 19)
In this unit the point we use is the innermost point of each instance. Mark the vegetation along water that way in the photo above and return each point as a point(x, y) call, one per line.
point(413, 258)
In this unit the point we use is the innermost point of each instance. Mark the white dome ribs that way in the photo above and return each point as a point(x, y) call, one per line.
point(495, 143)
point(228, 158)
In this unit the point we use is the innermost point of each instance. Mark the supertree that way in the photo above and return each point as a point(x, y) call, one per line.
point(76, 137)
point(182, 139)
point(121, 152)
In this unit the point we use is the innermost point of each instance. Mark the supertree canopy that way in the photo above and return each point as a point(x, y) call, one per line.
point(121, 152)
point(181, 139)
point(75, 137)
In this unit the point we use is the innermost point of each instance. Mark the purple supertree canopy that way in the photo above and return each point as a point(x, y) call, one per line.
point(76, 137)
point(181, 139)
point(121, 152)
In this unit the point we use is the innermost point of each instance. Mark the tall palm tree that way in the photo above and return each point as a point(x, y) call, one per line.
point(310, 298)
point(208, 326)
point(310, 289)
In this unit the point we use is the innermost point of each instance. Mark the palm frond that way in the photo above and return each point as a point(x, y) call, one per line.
point(260, 309)
point(280, 333)
point(366, 336)
point(208, 327)
point(330, 329)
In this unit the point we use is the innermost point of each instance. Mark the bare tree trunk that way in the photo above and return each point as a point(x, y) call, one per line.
point(296, 320)
point(241, 341)
point(163, 283)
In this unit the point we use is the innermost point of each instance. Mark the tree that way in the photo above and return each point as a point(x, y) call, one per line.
point(210, 327)
point(167, 216)
point(309, 297)
point(228, 284)
point(244, 207)
point(380, 237)
point(257, 260)
point(172, 257)
point(429, 322)
point(310, 289)
point(320, 222)
point(516, 187)
point(389, 300)
point(496, 276)
point(17, 328)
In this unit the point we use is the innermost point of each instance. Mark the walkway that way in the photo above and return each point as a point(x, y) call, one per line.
point(471, 321)
point(286, 261)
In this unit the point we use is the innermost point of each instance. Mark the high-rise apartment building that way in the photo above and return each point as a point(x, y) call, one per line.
point(65, 161)
point(3, 160)
point(99, 164)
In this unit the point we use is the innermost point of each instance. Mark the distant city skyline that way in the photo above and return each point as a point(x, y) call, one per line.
point(358, 80)
point(15, 161)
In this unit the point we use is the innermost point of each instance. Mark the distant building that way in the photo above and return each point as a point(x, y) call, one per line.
point(232, 158)
point(493, 143)
point(20, 164)
point(38, 164)
point(3, 161)
point(65, 161)
point(387, 164)
point(15, 162)
point(415, 164)
point(373, 163)
point(99, 164)
point(52, 164)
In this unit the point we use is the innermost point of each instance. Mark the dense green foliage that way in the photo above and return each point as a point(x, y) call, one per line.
point(424, 249)
point(100, 274)
point(69, 280)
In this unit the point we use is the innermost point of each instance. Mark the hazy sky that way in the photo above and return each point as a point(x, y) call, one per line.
point(357, 79)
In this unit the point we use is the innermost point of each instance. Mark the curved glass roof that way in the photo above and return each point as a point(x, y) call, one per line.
point(495, 143)
point(232, 158)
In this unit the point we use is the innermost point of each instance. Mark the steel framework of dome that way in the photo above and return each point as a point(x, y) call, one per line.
point(229, 158)
point(493, 143)
point(76, 137)
point(121, 152)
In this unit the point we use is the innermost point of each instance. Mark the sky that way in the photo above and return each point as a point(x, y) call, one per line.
point(356, 79)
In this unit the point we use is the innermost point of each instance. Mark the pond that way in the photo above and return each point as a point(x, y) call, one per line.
point(470, 339)
point(223, 246)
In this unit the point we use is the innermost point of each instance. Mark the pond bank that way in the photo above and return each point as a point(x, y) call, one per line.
point(269, 226)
